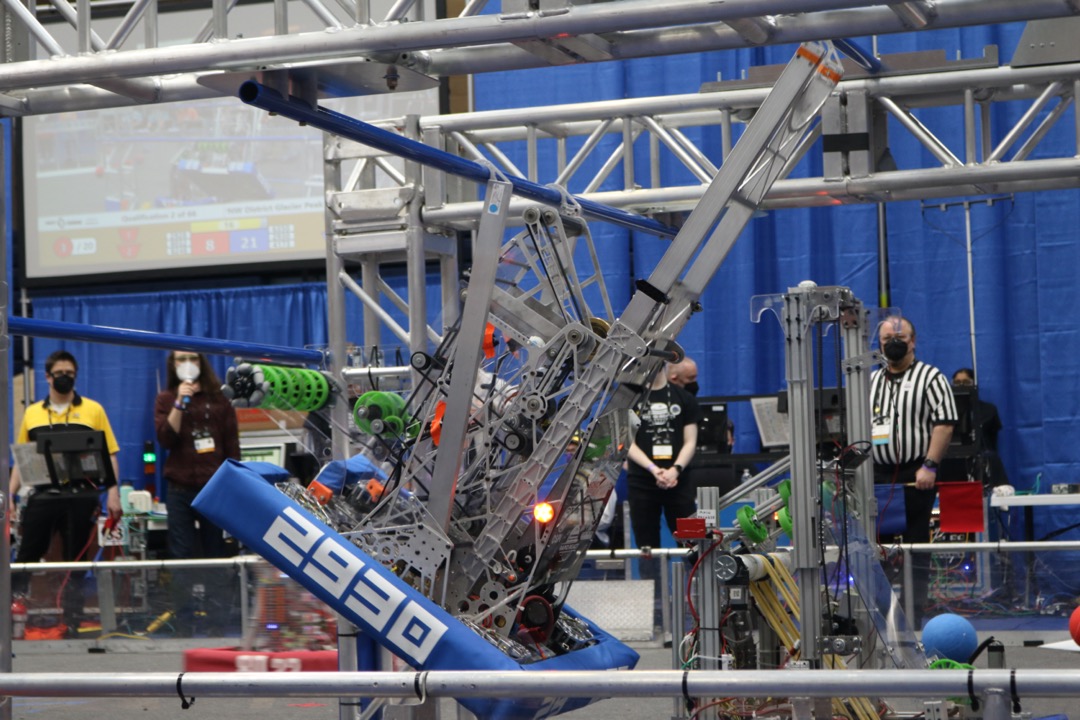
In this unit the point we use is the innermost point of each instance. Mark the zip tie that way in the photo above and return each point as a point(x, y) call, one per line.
point(1012, 691)
point(971, 691)
point(420, 688)
point(686, 691)
point(184, 702)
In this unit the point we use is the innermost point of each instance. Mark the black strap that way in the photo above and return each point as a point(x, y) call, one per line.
point(1012, 691)
point(420, 688)
point(971, 691)
point(184, 702)
point(686, 692)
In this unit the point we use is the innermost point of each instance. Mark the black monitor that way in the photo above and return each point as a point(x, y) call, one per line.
point(712, 437)
point(966, 432)
point(77, 459)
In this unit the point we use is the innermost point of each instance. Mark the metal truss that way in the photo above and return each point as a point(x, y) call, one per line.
point(47, 71)
point(603, 135)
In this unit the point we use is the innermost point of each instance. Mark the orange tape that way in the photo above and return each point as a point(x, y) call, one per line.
point(804, 53)
point(830, 73)
point(436, 422)
point(489, 341)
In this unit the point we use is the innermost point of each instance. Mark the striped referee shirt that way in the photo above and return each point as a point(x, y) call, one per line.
point(912, 403)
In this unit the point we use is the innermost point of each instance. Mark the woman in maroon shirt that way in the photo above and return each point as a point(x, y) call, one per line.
point(196, 425)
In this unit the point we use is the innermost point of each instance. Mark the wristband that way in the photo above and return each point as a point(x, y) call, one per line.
point(932, 468)
point(179, 406)
point(652, 468)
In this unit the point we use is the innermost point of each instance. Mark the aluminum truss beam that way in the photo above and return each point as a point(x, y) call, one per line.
point(467, 44)
point(995, 159)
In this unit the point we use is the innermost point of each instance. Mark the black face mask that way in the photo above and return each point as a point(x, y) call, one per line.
point(691, 387)
point(63, 384)
point(895, 349)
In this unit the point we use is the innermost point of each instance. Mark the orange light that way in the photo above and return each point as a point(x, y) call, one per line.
point(544, 512)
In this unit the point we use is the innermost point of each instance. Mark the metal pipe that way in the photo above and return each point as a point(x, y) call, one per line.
point(791, 28)
point(662, 134)
point(971, 286)
point(479, 30)
point(969, 127)
point(398, 11)
point(816, 192)
point(83, 30)
point(217, 26)
point(583, 152)
point(921, 133)
point(508, 164)
point(6, 497)
point(366, 373)
point(220, 18)
point(23, 15)
point(323, 14)
point(263, 97)
point(390, 294)
point(472, 8)
point(1036, 107)
point(678, 628)
point(920, 89)
point(567, 683)
point(131, 19)
point(694, 151)
point(1045, 126)
point(916, 15)
point(373, 305)
point(72, 18)
point(392, 172)
point(859, 55)
point(1076, 116)
point(239, 561)
point(165, 341)
point(605, 169)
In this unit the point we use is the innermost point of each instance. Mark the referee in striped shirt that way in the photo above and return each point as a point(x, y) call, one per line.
point(913, 414)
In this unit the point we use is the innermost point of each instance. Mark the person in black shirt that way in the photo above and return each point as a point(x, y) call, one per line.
point(657, 460)
point(986, 422)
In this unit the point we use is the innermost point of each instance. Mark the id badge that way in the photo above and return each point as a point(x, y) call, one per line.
point(880, 432)
point(661, 452)
point(204, 444)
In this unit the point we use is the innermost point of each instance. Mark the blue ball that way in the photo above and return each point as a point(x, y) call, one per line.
point(950, 636)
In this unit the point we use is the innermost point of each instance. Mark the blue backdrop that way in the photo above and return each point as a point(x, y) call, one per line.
point(1025, 269)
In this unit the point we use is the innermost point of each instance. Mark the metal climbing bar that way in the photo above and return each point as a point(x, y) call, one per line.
point(265, 98)
point(144, 338)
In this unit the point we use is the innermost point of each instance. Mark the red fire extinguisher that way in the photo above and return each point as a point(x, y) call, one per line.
point(18, 619)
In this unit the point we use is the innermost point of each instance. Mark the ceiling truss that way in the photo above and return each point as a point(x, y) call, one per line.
point(600, 135)
point(46, 71)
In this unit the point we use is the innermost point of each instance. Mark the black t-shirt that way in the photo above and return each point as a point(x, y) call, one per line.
point(664, 413)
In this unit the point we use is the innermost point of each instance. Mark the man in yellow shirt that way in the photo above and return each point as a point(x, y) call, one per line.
point(69, 511)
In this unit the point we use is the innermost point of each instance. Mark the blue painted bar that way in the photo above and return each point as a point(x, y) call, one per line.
point(265, 98)
point(860, 55)
point(166, 341)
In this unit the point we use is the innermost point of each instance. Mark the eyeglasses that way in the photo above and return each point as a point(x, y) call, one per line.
point(186, 358)
point(62, 373)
